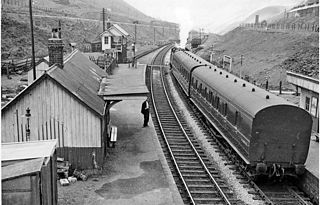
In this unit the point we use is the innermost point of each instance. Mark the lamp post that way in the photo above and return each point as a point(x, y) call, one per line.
point(28, 115)
point(32, 42)
point(241, 58)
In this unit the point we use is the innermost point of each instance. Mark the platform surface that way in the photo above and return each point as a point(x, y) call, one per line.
point(312, 163)
point(140, 174)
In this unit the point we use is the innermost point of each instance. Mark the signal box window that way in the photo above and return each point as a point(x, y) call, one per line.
point(307, 104)
point(106, 40)
point(314, 106)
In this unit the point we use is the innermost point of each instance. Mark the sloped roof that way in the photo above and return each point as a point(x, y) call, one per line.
point(115, 30)
point(106, 32)
point(121, 30)
point(80, 76)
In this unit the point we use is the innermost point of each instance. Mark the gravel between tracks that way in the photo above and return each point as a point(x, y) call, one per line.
point(241, 192)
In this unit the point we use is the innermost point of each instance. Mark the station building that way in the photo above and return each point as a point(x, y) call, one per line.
point(61, 104)
point(308, 88)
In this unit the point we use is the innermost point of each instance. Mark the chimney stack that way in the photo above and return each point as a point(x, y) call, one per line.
point(108, 23)
point(55, 48)
point(257, 20)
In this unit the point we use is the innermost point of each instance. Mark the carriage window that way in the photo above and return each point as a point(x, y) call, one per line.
point(196, 85)
point(210, 96)
point(192, 81)
point(225, 111)
point(236, 118)
point(217, 102)
point(205, 92)
point(307, 103)
point(200, 87)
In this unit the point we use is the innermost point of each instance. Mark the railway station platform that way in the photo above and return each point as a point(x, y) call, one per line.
point(309, 181)
point(140, 174)
point(312, 163)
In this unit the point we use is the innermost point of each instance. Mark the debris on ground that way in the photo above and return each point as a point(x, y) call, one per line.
point(72, 179)
point(64, 182)
point(62, 168)
point(82, 175)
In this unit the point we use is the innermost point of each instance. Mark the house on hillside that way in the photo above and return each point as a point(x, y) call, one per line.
point(64, 105)
point(307, 8)
point(114, 42)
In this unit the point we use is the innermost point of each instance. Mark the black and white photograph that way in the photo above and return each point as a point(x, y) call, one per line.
point(159, 102)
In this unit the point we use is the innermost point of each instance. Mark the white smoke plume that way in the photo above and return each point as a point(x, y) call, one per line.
point(186, 23)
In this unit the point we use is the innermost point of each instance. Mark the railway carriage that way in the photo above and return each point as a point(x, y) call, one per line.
point(270, 134)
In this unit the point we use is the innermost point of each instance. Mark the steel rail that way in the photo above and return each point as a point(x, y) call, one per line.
point(224, 197)
point(194, 149)
point(165, 139)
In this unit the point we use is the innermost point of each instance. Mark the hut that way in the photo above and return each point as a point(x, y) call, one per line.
point(29, 173)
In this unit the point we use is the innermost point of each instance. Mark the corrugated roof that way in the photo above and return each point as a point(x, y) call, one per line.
point(79, 76)
point(126, 83)
point(82, 78)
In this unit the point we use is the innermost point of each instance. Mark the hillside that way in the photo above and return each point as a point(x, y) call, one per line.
point(268, 54)
point(264, 14)
point(15, 32)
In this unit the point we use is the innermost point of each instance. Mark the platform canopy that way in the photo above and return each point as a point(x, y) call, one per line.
point(126, 83)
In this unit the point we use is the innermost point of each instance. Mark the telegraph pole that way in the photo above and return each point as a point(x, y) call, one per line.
point(103, 20)
point(32, 42)
point(241, 58)
point(154, 35)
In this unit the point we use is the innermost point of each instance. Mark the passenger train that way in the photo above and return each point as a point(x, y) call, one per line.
point(270, 134)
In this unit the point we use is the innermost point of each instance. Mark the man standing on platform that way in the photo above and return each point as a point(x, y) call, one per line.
point(145, 112)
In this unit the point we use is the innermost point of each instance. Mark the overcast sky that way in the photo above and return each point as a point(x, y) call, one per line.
point(207, 14)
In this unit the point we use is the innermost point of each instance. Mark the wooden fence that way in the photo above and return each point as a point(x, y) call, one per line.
point(13, 66)
point(283, 26)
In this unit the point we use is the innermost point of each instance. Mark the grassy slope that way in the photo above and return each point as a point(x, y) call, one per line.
point(269, 54)
point(15, 32)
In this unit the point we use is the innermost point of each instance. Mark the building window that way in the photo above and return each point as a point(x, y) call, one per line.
point(307, 104)
point(314, 106)
point(106, 40)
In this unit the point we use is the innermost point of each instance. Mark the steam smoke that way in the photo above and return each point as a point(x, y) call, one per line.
point(186, 24)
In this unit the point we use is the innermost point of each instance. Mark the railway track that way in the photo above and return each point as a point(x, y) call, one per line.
point(199, 181)
point(272, 193)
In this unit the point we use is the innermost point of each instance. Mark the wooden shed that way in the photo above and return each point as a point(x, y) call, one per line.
point(64, 105)
point(28, 173)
